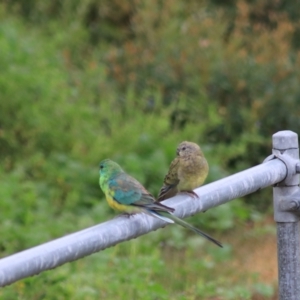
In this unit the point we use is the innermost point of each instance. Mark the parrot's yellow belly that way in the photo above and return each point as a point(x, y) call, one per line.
point(191, 182)
point(116, 205)
point(192, 173)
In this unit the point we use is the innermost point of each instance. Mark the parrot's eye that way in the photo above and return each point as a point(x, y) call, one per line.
point(183, 148)
point(101, 166)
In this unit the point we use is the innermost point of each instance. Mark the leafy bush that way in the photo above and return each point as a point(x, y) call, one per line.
point(80, 83)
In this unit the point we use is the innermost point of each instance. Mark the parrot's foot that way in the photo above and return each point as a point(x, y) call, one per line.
point(191, 194)
point(125, 214)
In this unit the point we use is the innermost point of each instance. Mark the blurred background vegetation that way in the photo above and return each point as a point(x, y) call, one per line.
point(85, 80)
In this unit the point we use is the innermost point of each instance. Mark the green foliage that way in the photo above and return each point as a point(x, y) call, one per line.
point(86, 80)
point(139, 271)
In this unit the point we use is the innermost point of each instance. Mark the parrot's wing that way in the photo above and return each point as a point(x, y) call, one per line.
point(169, 189)
point(128, 191)
point(125, 189)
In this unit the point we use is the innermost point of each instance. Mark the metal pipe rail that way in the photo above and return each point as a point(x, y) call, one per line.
point(96, 238)
point(286, 214)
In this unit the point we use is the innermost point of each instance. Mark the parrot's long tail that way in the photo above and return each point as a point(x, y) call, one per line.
point(156, 209)
point(196, 230)
point(159, 216)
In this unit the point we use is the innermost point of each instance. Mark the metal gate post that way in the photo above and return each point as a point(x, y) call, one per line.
point(286, 213)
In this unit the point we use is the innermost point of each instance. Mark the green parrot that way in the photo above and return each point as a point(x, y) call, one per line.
point(126, 194)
